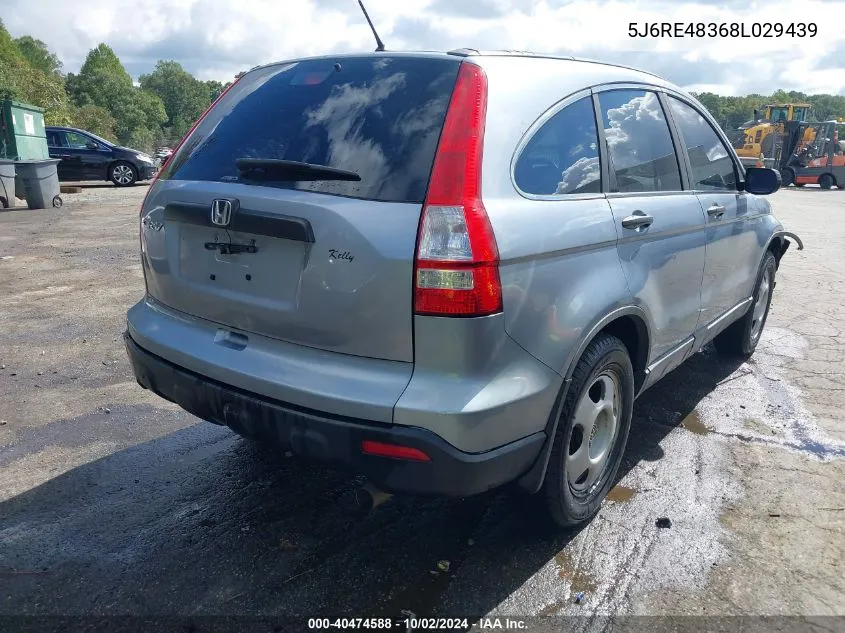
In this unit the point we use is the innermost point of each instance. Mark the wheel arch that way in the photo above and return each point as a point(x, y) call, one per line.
point(631, 325)
point(778, 244)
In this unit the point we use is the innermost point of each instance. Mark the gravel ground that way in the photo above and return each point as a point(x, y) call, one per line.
point(113, 501)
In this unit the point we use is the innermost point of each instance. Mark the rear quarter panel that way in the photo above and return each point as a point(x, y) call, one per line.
point(560, 269)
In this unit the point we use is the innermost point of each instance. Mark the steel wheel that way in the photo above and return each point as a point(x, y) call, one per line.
point(122, 174)
point(594, 429)
point(761, 305)
point(590, 437)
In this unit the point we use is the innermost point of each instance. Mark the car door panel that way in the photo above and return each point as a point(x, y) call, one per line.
point(89, 161)
point(661, 245)
point(734, 244)
point(663, 263)
point(97, 162)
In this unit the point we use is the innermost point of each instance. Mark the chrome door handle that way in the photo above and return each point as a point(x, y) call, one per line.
point(716, 211)
point(637, 220)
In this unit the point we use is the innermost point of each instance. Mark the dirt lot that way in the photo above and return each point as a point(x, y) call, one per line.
point(115, 502)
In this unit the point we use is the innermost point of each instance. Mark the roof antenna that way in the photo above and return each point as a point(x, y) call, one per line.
point(380, 44)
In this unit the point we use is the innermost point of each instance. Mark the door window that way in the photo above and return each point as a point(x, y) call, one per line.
point(713, 168)
point(76, 140)
point(563, 156)
point(639, 144)
point(56, 139)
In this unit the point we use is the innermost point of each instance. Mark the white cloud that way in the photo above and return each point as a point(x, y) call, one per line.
point(217, 38)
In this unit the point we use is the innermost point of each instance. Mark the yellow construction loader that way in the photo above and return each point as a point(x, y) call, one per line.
point(761, 136)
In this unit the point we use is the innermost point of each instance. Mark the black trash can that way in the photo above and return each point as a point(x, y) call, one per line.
point(41, 182)
point(7, 183)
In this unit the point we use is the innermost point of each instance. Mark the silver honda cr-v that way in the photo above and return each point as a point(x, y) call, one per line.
point(449, 271)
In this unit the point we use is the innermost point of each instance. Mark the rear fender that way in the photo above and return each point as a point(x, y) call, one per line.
point(532, 481)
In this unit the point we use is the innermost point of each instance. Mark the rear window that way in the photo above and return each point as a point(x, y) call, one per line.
point(379, 117)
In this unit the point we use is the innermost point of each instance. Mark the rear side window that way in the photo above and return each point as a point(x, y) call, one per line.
point(563, 156)
point(379, 117)
point(639, 144)
point(55, 139)
point(712, 166)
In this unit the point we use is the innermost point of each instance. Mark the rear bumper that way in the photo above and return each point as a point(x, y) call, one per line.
point(337, 439)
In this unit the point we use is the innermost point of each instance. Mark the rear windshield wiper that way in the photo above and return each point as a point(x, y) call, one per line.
point(291, 170)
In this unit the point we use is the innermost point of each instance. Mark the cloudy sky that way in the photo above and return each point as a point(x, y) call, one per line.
point(215, 39)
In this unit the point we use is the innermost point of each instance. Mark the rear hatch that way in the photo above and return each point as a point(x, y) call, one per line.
point(292, 210)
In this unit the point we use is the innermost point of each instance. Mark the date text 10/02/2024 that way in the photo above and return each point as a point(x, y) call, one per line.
point(722, 29)
point(417, 624)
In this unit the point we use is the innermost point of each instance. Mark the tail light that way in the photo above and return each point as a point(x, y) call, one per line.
point(456, 271)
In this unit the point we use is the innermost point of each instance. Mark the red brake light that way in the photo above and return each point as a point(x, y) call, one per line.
point(395, 451)
point(456, 269)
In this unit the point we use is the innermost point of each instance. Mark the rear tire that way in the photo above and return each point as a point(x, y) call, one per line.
point(591, 434)
point(123, 174)
point(826, 181)
point(740, 338)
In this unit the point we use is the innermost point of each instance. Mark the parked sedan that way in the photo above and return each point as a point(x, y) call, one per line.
point(86, 156)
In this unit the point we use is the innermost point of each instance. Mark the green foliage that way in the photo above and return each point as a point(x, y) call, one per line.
point(731, 112)
point(22, 81)
point(97, 120)
point(214, 89)
point(184, 97)
point(38, 55)
point(104, 83)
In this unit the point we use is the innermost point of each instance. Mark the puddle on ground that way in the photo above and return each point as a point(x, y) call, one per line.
point(578, 578)
point(620, 494)
point(693, 424)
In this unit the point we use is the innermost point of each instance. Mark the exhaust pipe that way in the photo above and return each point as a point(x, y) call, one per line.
point(367, 498)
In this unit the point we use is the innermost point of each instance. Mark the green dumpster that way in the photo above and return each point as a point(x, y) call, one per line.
point(22, 135)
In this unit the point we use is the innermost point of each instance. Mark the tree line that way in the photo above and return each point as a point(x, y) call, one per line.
point(103, 99)
point(731, 112)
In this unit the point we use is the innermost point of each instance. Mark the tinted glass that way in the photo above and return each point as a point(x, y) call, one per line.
point(77, 141)
point(639, 144)
point(563, 156)
point(100, 140)
point(712, 166)
point(379, 117)
point(55, 139)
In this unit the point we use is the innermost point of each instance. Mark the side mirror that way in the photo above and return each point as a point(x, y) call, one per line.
point(92, 145)
point(761, 180)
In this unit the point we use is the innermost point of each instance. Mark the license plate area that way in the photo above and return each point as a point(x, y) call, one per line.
point(256, 266)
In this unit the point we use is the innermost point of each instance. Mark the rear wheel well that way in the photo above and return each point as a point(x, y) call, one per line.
point(632, 331)
point(777, 247)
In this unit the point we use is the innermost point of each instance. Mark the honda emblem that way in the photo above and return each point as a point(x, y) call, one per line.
point(221, 212)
